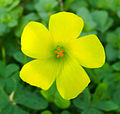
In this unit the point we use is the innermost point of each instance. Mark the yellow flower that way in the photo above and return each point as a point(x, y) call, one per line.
point(59, 54)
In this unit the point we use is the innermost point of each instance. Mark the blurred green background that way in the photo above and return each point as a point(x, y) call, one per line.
point(102, 17)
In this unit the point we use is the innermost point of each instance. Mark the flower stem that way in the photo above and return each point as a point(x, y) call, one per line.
point(25, 59)
point(61, 5)
point(3, 55)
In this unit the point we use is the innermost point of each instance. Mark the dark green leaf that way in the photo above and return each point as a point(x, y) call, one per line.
point(92, 111)
point(116, 66)
point(106, 105)
point(13, 109)
point(10, 69)
point(32, 100)
point(4, 99)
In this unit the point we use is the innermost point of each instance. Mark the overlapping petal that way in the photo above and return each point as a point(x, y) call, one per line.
point(72, 80)
point(89, 51)
point(40, 73)
point(65, 26)
point(36, 40)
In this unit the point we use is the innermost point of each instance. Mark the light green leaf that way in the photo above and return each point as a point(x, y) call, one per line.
point(60, 102)
point(102, 20)
point(78, 4)
point(65, 112)
point(46, 112)
point(4, 29)
point(23, 21)
point(45, 5)
point(90, 25)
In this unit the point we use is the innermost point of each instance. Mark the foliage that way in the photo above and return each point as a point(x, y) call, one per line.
point(102, 17)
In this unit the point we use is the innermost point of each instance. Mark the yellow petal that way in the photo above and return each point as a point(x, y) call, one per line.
point(39, 73)
point(65, 26)
point(72, 80)
point(36, 40)
point(89, 51)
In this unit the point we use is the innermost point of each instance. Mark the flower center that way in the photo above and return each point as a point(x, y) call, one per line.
point(59, 51)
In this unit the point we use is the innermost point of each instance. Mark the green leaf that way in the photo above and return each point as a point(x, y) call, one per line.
point(100, 73)
point(101, 92)
point(113, 38)
point(10, 69)
point(4, 29)
point(24, 20)
point(91, 111)
point(65, 112)
point(106, 105)
point(90, 24)
point(67, 4)
point(32, 100)
point(13, 109)
point(9, 3)
point(116, 97)
point(77, 4)
point(4, 99)
point(80, 103)
point(13, 4)
point(45, 8)
point(60, 102)
point(52, 95)
point(10, 17)
point(119, 54)
point(105, 4)
point(2, 83)
point(10, 85)
point(118, 13)
point(116, 66)
point(46, 112)
point(45, 5)
point(111, 53)
point(21, 58)
point(102, 20)
point(2, 68)
point(110, 79)
point(11, 46)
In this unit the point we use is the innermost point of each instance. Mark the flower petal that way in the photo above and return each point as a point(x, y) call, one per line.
point(39, 73)
point(36, 40)
point(65, 26)
point(72, 80)
point(89, 51)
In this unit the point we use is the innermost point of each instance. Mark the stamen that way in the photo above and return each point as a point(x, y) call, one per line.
point(58, 48)
point(61, 55)
point(56, 51)
point(59, 52)
point(62, 50)
point(58, 56)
